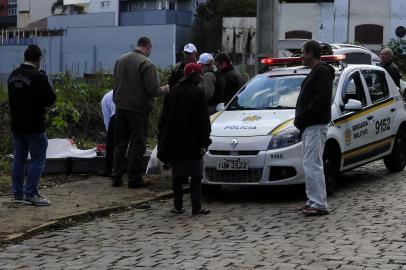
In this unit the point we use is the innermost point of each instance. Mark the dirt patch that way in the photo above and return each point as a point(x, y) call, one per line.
point(47, 181)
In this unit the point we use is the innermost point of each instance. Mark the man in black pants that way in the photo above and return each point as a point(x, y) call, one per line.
point(184, 135)
point(135, 85)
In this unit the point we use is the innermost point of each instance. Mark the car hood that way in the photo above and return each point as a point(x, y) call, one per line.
point(250, 123)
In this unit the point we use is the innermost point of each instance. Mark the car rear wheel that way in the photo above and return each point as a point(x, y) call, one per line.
point(396, 161)
point(331, 164)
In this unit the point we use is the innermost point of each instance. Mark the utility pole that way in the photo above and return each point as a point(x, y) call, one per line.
point(267, 35)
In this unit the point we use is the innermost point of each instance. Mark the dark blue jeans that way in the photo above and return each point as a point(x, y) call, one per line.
point(36, 145)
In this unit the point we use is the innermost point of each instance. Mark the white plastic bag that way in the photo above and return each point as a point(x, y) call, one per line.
point(154, 164)
point(220, 107)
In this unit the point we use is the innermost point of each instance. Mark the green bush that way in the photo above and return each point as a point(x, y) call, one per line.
point(76, 113)
point(398, 47)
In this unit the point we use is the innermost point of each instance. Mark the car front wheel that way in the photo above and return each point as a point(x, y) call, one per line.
point(396, 161)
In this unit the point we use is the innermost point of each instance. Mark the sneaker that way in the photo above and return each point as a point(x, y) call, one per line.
point(18, 199)
point(177, 211)
point(37, 200)
point(200, 212)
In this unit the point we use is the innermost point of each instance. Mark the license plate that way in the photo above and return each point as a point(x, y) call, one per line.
point(232, 164)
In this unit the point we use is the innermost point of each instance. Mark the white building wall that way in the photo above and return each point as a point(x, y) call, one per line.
point(340, 21)
point(299, 17)
point(326, 22)
point(97, 6)
point(243, 30)
point(370, 12)
point(398, 17)
point(76, 2)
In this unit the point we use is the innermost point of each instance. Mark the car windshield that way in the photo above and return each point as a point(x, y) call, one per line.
point(267, 92)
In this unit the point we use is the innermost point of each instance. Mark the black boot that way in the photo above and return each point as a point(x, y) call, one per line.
point(117, 180)
point(137, 182)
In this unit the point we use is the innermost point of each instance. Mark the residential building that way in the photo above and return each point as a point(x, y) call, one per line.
point(371, 23)
point(92, 34)
point(29, 11)
point(8, 13)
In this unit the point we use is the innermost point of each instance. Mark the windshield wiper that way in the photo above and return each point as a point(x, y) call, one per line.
point(240, 108)
point(279, 107)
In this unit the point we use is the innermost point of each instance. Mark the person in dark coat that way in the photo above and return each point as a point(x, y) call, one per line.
point(233, 79)
point(388, 64)
point(184, 135)
point(313, 113)
point(30, 94)
point(189, 56)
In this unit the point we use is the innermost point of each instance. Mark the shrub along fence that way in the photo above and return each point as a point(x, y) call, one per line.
point(76, 113)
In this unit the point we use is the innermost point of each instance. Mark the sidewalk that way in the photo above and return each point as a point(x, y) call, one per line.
point(74, 202)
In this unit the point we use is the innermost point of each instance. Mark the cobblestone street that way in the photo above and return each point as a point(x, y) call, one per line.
point(248, 229)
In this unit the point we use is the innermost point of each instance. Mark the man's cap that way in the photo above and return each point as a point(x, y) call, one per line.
point(190, 48)
point(205, 59)
point(191, 69)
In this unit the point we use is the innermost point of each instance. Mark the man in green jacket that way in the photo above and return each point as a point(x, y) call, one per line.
point(136, 84)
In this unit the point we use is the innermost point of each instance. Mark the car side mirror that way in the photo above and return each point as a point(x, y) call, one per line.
point(353, 105)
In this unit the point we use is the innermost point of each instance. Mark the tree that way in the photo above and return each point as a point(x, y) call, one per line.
point(58, 4)
point(208, 24)
point(398, 47)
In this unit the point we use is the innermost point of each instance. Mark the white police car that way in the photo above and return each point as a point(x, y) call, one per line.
point(254, 141)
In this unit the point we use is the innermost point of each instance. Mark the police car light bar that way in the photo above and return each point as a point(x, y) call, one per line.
point(290, 60)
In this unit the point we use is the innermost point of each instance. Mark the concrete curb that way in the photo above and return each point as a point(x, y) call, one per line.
point(86, 216)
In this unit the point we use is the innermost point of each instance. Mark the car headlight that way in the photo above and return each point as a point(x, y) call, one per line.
point(286, 138)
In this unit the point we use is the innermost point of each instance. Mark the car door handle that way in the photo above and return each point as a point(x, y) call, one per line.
point(393, 109)
point(370, 117)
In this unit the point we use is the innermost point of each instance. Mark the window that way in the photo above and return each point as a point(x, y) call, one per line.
point(162, 5)
point(266, 92)
point(12, 2)
point(12, 11)
point(172, 5)
point(369, 34)
point(298, 34)
point(358, 58)
point(353, 89)
point(138, 5)
point(377, 86)
point(105, 4)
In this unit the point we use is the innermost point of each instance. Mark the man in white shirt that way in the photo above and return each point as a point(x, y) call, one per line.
point(108, 110)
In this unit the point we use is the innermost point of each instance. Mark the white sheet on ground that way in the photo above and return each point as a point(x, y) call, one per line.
point(63, 148)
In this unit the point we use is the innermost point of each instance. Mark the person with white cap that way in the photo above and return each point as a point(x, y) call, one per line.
point(212, 83)
point(189, 56)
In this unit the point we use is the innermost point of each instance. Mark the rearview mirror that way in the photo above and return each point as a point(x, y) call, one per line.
point(353, 105)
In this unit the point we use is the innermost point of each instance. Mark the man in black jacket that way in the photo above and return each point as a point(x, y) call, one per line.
point(184, 135)
point(233, 79)
point(313, 113)
point(29, 95)
point(189, 56)
point(389, 66)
